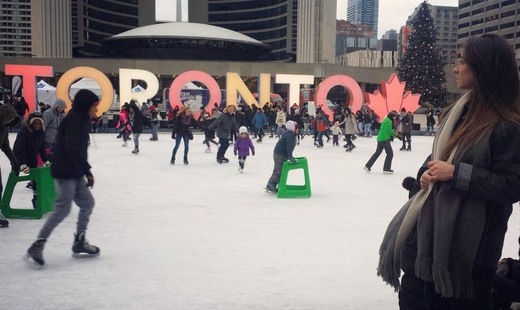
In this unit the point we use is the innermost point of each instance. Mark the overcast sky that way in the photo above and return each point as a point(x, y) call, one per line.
point(392, 13)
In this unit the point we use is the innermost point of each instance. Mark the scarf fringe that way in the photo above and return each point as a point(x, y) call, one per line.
point(464, 287)
point(387, 271)
point(423, 268)
point(442, 281)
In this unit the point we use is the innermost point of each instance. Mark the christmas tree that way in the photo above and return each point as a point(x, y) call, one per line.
point(422, 67)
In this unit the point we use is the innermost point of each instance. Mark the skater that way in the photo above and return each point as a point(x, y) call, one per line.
point(283, 151)
point(51, 121)
point(29, 143)
point(154, 122)
point(350, 128)
point(137, 122)
point(448, 238)
point(406, 127)
point(102, 123)
point(383, 143)
point(224, 124)
point(8, 119)
point(204, 120)
point(336, 132)
point(320, 124)
point(123, 126)
point(259, 122)
point(73, 178)
point(430, 121)
point(242, 147)
point(181, 131)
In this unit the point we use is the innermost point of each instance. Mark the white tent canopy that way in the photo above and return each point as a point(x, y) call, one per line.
point(84, 83)
point(138, 89)
point(191, 85)
point(46, 93)
point(90, 84)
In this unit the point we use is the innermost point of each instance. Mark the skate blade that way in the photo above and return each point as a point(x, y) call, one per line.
point(269, 191)
point(84, 255)
point(31, 262)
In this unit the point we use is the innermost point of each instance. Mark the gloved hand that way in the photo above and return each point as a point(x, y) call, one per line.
point(173, 136)
point(235, 153)
point(24, 168)
point(90, 180)
point(47, 164)
point(253, 153)
point(293, 160)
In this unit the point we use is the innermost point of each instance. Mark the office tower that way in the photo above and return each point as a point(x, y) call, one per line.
point(316, 31)
point(280, 23)
point(364, 12)
point(99, 19)
point(35, 28)
point(490, 16)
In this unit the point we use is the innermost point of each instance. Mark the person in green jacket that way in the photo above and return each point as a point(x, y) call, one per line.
point(383, 142)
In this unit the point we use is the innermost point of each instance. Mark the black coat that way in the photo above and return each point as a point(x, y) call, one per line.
point(28, 144)
point(70, 151)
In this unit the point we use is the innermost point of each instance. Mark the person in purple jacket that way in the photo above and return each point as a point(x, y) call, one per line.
point(242, 147)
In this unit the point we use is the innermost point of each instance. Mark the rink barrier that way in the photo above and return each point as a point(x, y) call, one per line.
point(45, 191)
point(290, 190)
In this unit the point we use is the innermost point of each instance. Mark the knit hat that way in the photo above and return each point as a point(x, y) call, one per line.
point(83, 100)
point(242, 129)
point(33, 116)
point(290, 125)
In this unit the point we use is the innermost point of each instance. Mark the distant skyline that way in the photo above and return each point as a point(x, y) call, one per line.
point(392, 13)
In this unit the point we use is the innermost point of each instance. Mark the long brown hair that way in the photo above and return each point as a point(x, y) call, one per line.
point(494, 94)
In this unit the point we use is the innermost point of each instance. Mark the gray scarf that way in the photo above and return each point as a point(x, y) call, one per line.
point(448, 224)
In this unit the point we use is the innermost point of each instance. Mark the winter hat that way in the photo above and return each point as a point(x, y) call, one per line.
point(83, 100)
point(290, 125)
point(242, 129)
point(33, 116)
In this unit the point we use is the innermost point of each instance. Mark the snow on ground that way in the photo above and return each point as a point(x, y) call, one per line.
point(203, 236)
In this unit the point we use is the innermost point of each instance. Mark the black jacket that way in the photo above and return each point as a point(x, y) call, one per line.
point(70, 151)
point(28, 145)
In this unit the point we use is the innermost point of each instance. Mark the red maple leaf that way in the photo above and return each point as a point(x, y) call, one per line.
point(392, 97)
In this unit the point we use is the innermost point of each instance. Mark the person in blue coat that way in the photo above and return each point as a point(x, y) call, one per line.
point(259, 122)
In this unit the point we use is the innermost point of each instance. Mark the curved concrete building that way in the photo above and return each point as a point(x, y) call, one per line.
point(182, 40)
point(272, 22)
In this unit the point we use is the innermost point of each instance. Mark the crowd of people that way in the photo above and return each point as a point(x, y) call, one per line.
point(447, 239)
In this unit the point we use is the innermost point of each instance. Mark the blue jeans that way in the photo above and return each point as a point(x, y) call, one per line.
point(178, 139)
point(368, 128)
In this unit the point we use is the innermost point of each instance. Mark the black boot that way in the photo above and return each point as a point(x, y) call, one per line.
point(172, 161)
point(81, 247)
point(35, 253)
point(3, 222)
point(186, 160)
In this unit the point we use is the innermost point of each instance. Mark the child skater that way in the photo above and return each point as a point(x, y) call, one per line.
point(282, 151)
point(336, 132)
point(30, 142)
point(242, 147)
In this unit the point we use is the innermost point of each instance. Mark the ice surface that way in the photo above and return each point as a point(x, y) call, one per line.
point(204, 236)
